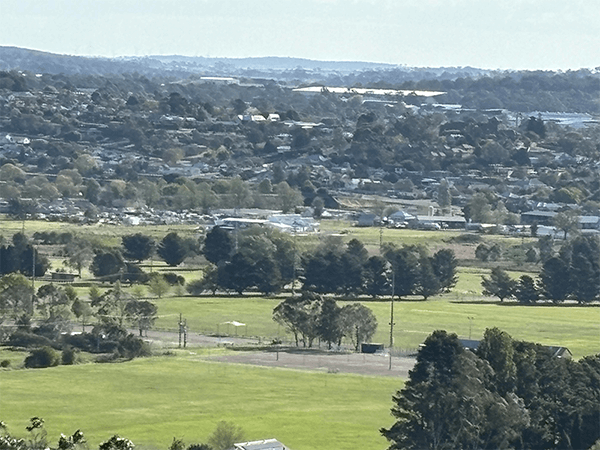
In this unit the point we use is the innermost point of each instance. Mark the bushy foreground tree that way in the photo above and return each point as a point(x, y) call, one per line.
point(506, 395)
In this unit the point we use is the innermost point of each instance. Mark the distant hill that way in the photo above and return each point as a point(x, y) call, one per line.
point(14, 58)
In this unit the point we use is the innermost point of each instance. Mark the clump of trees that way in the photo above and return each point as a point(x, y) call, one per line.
point(310, 316)
point(507, 394)
point(21, 256)
point(56, 306)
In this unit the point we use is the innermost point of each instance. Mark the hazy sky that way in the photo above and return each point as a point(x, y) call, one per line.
point(498, 34)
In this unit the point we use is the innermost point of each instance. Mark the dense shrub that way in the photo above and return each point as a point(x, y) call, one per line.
point(28, 340)
point(133, 347)
point(174, 279)
point(5, 363)
point(69, 356)
point(42, 357)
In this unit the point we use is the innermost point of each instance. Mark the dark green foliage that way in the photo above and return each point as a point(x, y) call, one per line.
point(445, 403)
point(173, 279)
point(507, 395)
point(108, 264)
point(218, 245)
point(28, 340)
point(328, 322)
point(134, 274)
point(323, 272)
point(137, 246)
point(496, 348)
point(53, 237)
point(353, 262)
point(499, 284)
point(405, 266)
point(377, 276)
point(132, 347)
point(22, 257)
point(428, 283)
point(173, 249)
point(42, 357)
point(584, 270)
point(575, 272)
point(69, 356)
point(445, 265)
point(526, 290)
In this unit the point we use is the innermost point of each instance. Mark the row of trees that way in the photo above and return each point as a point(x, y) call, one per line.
point(267, 260)
point(506, 394)
point(573, 273)
point(310, 316)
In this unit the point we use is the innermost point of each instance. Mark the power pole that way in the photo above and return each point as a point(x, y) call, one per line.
point(180, 329)
point(32, 274)
point(392, 315)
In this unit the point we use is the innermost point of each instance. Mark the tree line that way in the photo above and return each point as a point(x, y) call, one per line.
point(573, 273)
point(267, 261)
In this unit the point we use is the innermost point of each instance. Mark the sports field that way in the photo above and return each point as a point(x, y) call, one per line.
point(152, 400)
point(572, 326)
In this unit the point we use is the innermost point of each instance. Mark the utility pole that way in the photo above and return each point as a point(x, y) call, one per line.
point(392, 315)
point(180, 329)
point(294, 268)
point(470, 325)
point(184, 333)
point(32, 274)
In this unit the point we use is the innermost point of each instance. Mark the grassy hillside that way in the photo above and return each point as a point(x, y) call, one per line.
point(150, 401)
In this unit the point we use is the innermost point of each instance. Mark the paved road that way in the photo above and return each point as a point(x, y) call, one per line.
point(291, 358)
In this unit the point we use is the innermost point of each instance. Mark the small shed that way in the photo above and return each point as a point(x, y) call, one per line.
point(368, 347)
point(63, 276)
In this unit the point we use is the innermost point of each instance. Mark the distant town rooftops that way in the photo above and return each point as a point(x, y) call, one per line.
point(367, 91)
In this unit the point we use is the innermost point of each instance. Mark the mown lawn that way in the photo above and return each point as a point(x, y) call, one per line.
point(576, 327)
point(152, 400)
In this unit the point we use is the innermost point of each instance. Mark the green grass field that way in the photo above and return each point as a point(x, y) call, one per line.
point(152, 400)
point(575, 327)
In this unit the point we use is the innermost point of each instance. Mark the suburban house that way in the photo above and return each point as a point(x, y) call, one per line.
point(266, 444)
point(555, 351)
